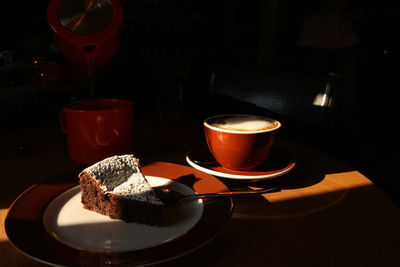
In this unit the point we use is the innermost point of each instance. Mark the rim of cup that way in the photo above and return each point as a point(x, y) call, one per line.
point(206, 124)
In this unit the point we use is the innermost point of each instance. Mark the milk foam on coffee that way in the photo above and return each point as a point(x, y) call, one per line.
point(244, 123)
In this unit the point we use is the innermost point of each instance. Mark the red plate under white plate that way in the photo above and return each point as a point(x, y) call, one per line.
point(48, 223)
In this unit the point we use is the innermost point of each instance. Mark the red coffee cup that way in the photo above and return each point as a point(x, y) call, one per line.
point(241, 142)
point(97, 128)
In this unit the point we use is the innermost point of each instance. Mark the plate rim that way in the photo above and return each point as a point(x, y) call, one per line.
point(15, 219)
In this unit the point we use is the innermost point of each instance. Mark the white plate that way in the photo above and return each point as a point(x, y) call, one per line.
point(67, 221)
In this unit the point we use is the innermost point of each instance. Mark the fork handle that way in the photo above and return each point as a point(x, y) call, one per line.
point(235, 193)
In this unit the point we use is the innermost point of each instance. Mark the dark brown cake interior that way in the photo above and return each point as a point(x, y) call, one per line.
point(130, 202)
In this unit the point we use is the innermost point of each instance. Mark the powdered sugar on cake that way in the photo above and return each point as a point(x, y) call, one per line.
point(135, 188)
point(121, 175)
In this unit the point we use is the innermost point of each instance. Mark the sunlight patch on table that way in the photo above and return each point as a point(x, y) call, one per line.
point(301, 201)
point(336, 182)
point(3, 236)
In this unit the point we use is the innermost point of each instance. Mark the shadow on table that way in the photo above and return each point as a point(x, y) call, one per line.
point(304, 174)
point(328, 228)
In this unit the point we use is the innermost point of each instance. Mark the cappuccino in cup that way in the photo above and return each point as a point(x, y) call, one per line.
point(243, 123)
point(241, 142)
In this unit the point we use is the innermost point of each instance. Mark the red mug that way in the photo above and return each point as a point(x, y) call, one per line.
point(241, 142)
point(97, 128)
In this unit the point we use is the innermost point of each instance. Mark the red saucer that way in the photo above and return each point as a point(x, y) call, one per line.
point(280, 163)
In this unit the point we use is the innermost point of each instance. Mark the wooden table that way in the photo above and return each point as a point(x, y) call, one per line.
point(327, 214)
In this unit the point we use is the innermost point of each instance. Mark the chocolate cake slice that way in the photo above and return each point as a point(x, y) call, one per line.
point(116, 187)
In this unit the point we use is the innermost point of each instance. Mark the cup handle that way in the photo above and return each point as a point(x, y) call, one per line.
point(61, 120)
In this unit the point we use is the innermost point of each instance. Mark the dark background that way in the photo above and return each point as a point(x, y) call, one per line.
point(178, 43)
point(169, 48)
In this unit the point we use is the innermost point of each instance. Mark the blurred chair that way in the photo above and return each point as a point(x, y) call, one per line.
point(305, 103)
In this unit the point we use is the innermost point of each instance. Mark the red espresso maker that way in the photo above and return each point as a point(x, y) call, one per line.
point(87, 32)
